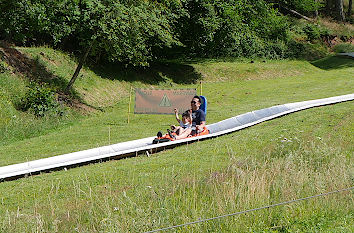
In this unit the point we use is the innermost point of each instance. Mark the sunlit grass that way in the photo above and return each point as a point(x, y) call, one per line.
point(288, 158)
point(298, 155)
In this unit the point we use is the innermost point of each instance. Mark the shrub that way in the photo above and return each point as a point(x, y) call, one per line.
point(295, 49)
point(303, 6)
point(343, 48)
point(4, 67)
point(312, 32)
point(41, 101)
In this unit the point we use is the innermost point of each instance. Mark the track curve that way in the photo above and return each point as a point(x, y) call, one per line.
point(131, 148)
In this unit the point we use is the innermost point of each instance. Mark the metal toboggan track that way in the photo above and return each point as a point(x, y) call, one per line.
point(132, 148)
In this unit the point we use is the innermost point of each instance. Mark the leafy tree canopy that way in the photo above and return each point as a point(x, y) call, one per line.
point(230, 27)
point(125, 31)
point(136, 32)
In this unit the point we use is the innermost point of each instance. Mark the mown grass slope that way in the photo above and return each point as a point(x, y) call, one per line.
point(298, 155)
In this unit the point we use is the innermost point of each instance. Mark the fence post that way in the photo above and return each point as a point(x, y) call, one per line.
point(201, 87)
point(130, 100)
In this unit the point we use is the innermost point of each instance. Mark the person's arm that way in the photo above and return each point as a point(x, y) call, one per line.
point(202, 121)
point(201, 126)
point(176, 114)
point(190, 117)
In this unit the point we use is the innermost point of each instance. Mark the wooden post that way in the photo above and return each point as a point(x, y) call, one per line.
point(109, 134)
point(130, 100)
point(201, 88)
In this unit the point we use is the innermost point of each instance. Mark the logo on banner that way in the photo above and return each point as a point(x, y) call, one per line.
point(165, 102)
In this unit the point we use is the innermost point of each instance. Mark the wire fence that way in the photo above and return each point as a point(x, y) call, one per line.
point(250, 210)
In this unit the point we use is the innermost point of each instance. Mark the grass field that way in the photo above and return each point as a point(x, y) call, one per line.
point(298, 155)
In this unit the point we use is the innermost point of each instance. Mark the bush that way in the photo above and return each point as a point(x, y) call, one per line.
point(307, 7)
point(295, 49)
point(4, 67)
point(312, 32)
point(41, 101)
point(343, 48)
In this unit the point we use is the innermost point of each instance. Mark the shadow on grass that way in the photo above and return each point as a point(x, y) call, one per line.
point(31, 68)
point(153, 75)
point(334, 62)
point(34, 70)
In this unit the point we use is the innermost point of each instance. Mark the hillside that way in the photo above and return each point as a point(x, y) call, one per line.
point(298, 155)
point(242, 55)
point(101, 89)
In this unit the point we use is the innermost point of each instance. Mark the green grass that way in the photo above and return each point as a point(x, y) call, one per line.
point(298, 155)
point(91, 88)
point(202, 180)
point(340, 30)
point(334, 62)
point(344, 48)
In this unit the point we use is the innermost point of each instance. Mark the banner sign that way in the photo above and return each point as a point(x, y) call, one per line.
point(163, 101)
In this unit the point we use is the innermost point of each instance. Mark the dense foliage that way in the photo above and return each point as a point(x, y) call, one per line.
point(140, 31)
point(302, 6)
point(137, 32)
point(125, 31)
point(230, 28)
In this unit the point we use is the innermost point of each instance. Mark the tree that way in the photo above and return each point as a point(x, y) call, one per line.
point(330, 5)
point(27, 22)
point(230, 28)
point(129, 32)
point(334, 8)
point(78, 69)
point(339, 10)
point(350, 5)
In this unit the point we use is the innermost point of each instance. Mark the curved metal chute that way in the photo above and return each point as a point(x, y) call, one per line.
point(131, 148)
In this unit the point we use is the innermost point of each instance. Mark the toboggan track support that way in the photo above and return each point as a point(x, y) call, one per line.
point(132, 148)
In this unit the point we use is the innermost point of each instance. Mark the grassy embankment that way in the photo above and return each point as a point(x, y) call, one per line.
point(298, 155)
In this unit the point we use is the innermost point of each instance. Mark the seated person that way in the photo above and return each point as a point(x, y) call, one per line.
point(185, 123)
point(198, 119)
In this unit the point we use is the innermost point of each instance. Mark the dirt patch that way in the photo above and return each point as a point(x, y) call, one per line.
point(17, 60)
point(332, 41)
point(76, 104)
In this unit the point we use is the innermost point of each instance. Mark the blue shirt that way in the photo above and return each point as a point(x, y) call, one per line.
point(197, 117)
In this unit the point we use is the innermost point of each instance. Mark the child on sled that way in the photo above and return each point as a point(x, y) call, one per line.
point(184, 124)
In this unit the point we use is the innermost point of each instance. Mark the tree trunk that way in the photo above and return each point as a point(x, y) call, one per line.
point(349, 12)
point(330, 6)
point(78, 68)
point(340, 11)
point(297, 14)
